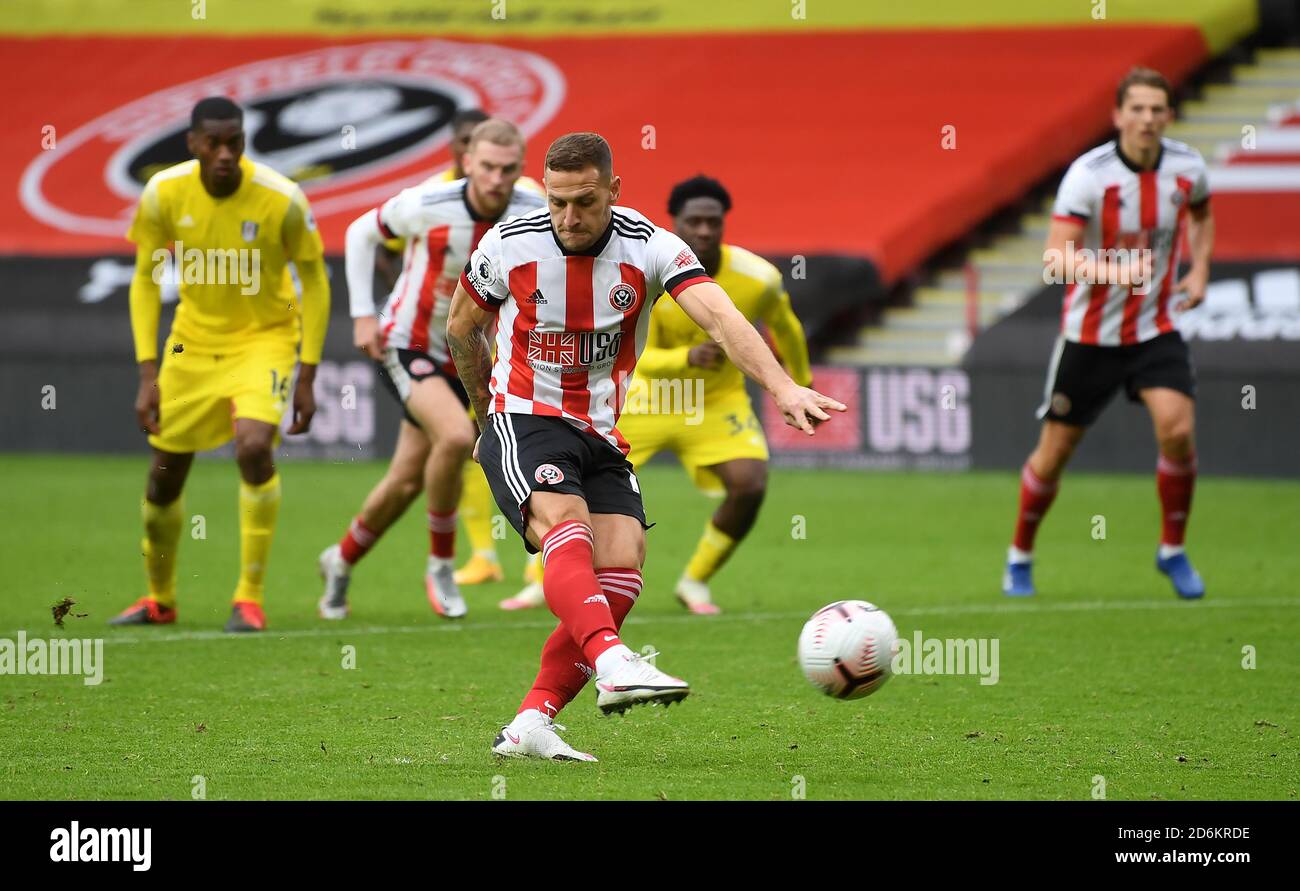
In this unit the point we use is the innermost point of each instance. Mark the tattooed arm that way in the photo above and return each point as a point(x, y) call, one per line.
point(471, 351)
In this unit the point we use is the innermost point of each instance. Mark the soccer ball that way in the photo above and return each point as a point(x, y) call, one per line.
point(846, 647)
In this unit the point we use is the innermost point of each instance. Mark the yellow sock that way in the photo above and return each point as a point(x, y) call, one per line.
point(713, 550)
point(162, 532)
point(533, 569)
point(258, 508)
point(476, 510)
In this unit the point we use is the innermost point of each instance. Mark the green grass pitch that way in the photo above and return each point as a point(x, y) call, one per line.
point(1105, 673)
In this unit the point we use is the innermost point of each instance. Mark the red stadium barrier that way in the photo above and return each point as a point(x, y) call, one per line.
point(831, 143)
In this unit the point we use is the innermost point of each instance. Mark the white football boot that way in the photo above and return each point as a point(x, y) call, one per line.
point(444, 593)
point(336, 573)
point(695, 596)
point(635, 681)
point(529, 597)
point(532, 735)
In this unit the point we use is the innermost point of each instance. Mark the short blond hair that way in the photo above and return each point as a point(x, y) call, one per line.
point(497, 131)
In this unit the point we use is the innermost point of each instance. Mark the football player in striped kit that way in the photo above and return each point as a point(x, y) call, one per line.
point(441, 224)
point(570, 287)
point(1115, 239)
point(476, 505)
point(721, 443)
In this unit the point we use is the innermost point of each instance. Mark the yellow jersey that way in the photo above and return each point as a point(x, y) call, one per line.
point(232, 255)
point(755, 286)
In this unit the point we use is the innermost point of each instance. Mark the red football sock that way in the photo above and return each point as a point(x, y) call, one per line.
point(572, 590)
point(442, 534)
point(1035, 498)
point(564, 671)
point(1175, 481)
point(357, 542)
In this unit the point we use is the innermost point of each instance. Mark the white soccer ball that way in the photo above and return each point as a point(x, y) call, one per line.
point(846, 648)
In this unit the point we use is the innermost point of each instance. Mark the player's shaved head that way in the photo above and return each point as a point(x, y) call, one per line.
point(574, 152)
point(580, 188)
point(215, 108)
point(216, 139)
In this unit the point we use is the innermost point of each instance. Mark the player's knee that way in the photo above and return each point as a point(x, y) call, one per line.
point(1052, 456)
point(458, 443)
point(406, 487)
point(166, 479)
point(626, 552)
point(1176, 439)
point(162, 489)
point(1057, 458)
point(545, 513)
point(638, 554)
point(747, 489)
point(254, 446)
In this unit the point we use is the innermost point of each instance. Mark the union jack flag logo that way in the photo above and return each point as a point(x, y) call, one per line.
point(552, 347)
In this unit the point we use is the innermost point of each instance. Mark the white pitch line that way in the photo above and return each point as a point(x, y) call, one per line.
point(1008, 609)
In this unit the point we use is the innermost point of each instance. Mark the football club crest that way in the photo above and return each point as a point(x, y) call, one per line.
point(249, 231)
point(549, 475)
point(622, 296)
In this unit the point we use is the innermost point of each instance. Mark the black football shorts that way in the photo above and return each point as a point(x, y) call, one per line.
point(1082, 378)
point(401, 368)
point(522, 454)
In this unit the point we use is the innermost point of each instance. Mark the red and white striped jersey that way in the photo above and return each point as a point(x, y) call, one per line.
point(441, 229)
point(1124, 207)
point(571, 325)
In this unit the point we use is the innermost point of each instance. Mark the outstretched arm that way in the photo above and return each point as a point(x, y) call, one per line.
point(710, 308)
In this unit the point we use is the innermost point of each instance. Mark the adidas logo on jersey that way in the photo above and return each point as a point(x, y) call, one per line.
point(537, 298)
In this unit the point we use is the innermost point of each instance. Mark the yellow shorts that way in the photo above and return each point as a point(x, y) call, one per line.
point(202, 391)
point(724, 431)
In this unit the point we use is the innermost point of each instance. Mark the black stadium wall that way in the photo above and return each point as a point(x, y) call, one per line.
point(1245, 345)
